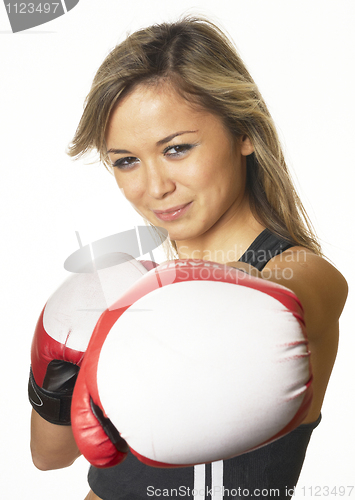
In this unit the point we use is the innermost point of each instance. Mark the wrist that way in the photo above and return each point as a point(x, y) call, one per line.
point(53, 401)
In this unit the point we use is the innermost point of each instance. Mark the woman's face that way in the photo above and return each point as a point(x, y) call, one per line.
point(178, 166)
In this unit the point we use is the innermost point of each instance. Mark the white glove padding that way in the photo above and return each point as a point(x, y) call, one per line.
point(64, 329)
point(206, 364)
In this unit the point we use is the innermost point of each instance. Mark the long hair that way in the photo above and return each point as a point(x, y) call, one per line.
point(202, 64)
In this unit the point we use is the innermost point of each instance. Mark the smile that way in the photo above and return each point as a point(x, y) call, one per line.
point(172, 213)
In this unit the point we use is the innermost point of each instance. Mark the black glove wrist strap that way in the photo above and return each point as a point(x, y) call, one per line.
point(52, 406)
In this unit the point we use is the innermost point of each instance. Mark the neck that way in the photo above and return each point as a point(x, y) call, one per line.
point(226, 241)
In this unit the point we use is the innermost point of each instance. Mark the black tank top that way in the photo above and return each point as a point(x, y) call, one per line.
point(268, 472)
point(265, 246)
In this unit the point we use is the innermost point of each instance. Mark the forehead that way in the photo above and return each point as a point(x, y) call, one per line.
point(155, 111)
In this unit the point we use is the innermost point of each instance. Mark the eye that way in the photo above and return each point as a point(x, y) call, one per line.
point(125, 163)
point(178, 149)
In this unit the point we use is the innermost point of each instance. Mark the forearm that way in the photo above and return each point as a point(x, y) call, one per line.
point(52, 446)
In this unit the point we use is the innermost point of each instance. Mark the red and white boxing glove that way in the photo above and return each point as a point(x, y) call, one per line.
point(64, 328)
point(205, 364)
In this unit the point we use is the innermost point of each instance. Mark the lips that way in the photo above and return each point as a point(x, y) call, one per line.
point(172, 213)
point(172, 209)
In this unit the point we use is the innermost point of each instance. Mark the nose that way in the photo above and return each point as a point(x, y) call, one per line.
point(159, 182)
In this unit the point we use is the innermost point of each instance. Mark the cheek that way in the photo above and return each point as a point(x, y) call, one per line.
point(213, 180)
point(200, 176)
point(221, 185)
point(130, 189)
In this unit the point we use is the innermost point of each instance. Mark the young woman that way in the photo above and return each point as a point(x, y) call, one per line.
point(175, 115)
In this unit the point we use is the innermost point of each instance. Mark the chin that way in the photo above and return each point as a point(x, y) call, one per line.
point(183, 235)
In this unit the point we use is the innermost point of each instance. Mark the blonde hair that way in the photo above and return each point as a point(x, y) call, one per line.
point(197, 58)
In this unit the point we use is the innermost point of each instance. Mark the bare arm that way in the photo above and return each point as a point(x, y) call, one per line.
point(321, 289)
point(52, 446)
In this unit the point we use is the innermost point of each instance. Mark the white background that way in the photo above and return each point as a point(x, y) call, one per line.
point(301, 53)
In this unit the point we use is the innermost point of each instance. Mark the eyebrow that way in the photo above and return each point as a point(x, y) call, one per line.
point(159, 143)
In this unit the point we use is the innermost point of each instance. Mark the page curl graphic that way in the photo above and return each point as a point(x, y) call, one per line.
point(28, 14)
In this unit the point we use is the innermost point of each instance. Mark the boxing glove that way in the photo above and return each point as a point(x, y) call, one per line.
point(64, 328)
point(205, 364)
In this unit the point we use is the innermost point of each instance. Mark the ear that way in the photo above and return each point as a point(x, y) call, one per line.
point(246, 146)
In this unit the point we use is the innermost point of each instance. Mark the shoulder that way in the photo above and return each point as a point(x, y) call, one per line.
point(321, 288)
